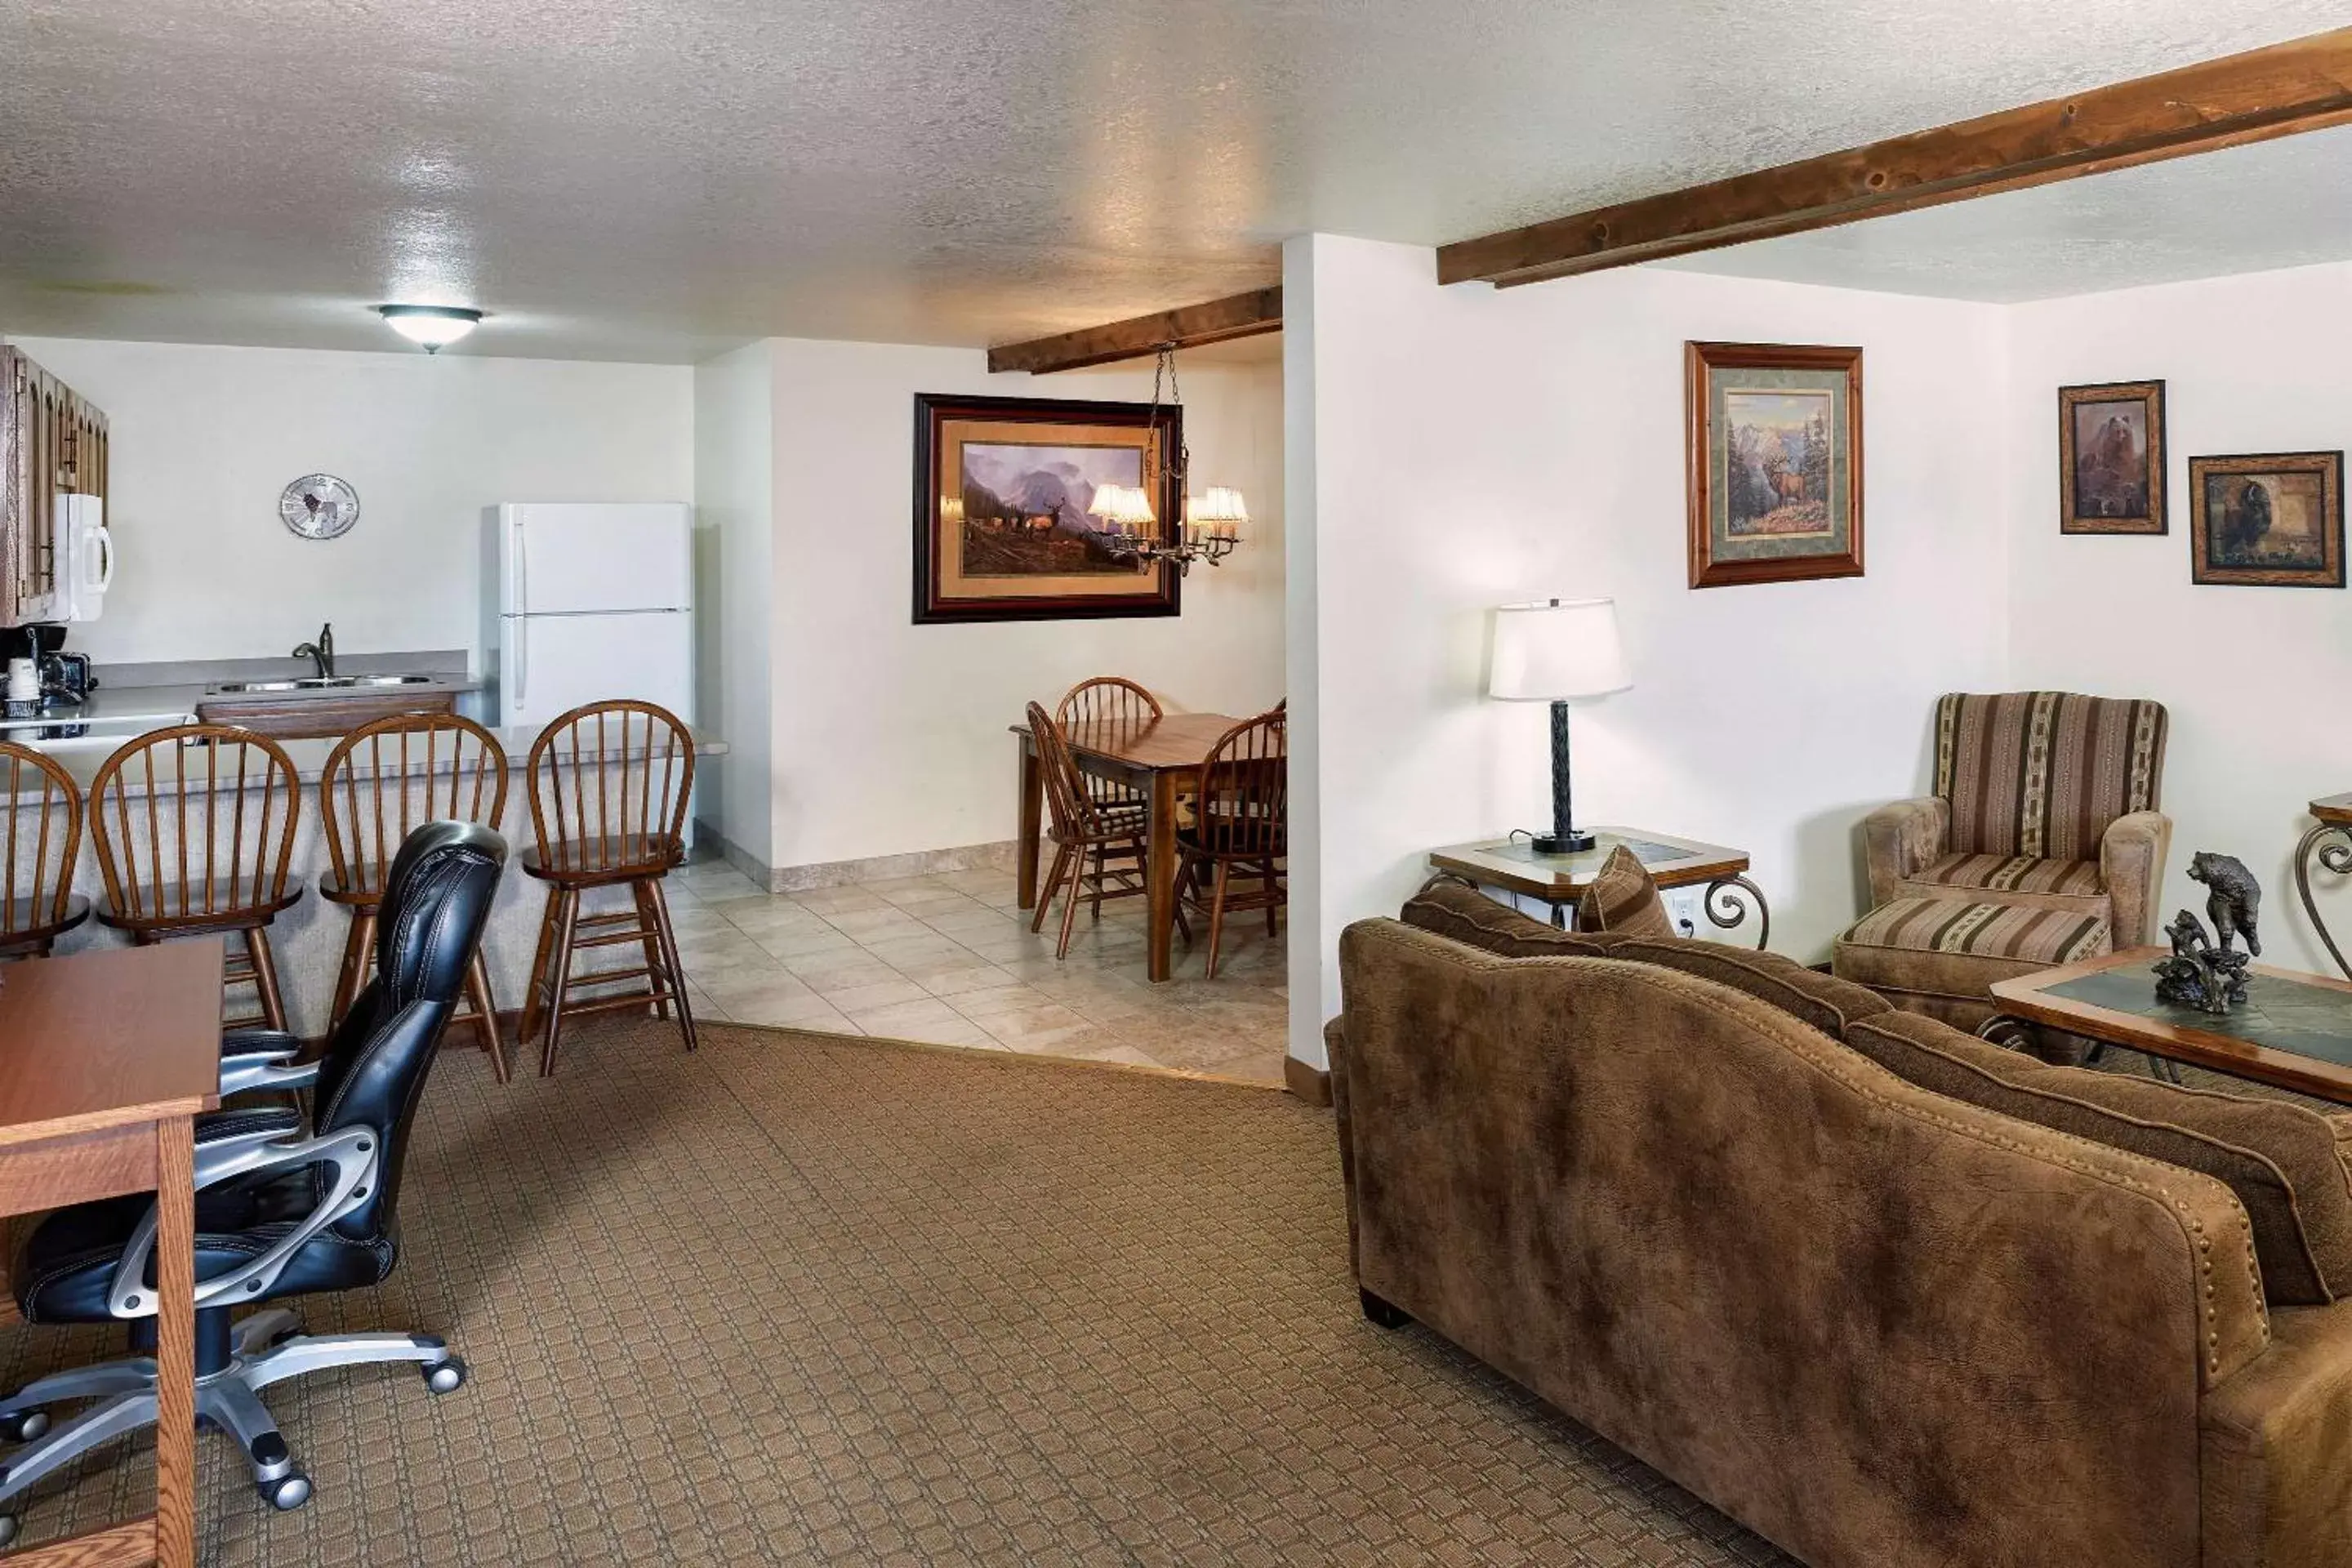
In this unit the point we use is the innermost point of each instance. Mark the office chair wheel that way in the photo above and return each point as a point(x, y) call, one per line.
point(287, 1492)
point(23, 1427)
point(445, 1376)
point(7, 1530)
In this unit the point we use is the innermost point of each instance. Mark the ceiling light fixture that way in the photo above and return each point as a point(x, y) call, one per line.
point(431, 327)
point(1212, 523)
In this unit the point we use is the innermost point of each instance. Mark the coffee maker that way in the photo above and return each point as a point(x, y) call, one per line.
point(59, 679)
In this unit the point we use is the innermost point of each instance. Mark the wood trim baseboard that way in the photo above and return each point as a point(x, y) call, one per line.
point(1307, 1081)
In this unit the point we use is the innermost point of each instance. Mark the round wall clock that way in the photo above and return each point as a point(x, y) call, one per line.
point(320, 506)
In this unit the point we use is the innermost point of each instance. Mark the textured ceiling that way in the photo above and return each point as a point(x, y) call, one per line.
point(661, 178)
point(2276, 203)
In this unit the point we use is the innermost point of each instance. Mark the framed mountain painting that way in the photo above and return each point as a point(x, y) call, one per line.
point(1774, 456)
point(1004, 489)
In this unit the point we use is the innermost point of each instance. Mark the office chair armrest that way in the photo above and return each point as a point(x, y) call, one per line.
point(353, 1154)
point(262, 1058)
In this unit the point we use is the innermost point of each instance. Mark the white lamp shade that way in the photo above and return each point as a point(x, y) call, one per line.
point(1123, 504)
point(1556, 650)
point(1218, 503)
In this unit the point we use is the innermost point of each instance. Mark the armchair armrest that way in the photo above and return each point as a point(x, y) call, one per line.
point(2131, 863)
point(1900, 839)
point(262, 1058)
point(247, 1144)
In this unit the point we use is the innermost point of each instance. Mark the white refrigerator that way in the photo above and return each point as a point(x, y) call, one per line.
point(588, 601)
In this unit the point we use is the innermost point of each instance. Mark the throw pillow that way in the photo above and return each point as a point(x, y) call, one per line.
point(1622, 898)
point(2279, 1158)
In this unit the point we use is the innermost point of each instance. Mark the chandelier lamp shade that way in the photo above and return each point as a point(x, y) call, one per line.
point(1561, 651)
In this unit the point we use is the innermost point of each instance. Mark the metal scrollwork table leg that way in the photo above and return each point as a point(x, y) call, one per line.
point(2330, 844)
point(1729, 901)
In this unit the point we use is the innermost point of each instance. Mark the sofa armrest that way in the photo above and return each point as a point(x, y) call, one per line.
point(2131, 863)
point(2277, 1484)
point(1901, 838)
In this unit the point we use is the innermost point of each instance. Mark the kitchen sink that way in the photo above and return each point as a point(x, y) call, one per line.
point(322, 683)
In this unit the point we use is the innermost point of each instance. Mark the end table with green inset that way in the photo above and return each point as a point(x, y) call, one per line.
point(2293, 1031)
point(1513, 866)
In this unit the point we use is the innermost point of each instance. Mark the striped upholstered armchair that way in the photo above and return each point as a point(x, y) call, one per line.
point(2041, 846)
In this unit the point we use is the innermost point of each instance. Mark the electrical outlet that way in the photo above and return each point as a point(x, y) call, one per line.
point(1685, 907)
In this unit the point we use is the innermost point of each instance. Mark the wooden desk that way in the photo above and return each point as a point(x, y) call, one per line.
point(1559, 881)
point(106, 1058)
point(1162, 759)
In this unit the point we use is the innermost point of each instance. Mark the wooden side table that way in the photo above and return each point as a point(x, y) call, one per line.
point(106, 1058)
point(1559, 881)
point(2330, 844)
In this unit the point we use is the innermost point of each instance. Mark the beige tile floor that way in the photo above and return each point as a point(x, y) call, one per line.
point(950, 960)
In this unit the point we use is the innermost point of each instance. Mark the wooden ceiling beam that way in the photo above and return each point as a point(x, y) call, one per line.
point(2282, 90)
point(1235, 316)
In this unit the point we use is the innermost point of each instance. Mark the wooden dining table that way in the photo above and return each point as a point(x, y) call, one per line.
point(1161, 759)
point(106, 1058)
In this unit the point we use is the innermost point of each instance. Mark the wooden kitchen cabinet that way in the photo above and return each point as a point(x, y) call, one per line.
point(52, 442)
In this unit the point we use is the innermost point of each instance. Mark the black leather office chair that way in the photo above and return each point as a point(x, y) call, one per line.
point(281, 1209)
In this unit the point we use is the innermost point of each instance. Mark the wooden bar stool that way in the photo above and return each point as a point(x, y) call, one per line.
point(37, 847)
point(1243, 824)
point(194, 830)
point(618, 822)
point(380, 781)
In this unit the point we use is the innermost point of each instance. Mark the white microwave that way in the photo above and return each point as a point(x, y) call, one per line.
point(84, 559)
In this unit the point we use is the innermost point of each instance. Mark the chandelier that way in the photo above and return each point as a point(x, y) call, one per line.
point(1126, 526)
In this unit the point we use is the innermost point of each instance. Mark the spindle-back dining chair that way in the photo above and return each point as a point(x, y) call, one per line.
point(380, 781)
point(1108, 700)
point(608, 785)
point(1098, 851)
point(38, 843)
point(194, 826)
point(1241, 824)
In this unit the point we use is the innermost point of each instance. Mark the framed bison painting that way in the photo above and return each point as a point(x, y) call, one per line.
point(2111, 458)
point(1774, 454)
point(2272, 520)
point(1004, 529)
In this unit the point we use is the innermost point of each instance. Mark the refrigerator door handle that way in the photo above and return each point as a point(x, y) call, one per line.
point(523, 661)
point(521, 605)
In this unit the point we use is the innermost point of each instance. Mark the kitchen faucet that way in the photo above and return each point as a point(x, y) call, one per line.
point(321, 653)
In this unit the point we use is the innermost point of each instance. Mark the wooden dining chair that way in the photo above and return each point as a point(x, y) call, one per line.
point(380, 781)
point(1241, 826)
point(37, 849)
point(1098, 851)
point(194, 825)
point(1107, 700)
point(608, 785)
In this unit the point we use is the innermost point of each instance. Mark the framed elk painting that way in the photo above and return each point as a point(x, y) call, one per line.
point(2111, 458)
point(1774, 449)
point(1003, 488)
point(2271, 521)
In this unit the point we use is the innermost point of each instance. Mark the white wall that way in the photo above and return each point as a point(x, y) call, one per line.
point(1471, 447)
point(204, 439)
point(889, 737)
point(2253, 677)
point(734, 494)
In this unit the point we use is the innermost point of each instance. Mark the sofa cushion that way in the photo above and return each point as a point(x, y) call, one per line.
point(1456, 910)
point(2280, 1159)
point(1622, 898)
point(2043, 939)
point(1827, 1003)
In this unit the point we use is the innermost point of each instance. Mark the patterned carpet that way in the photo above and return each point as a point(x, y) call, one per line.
point(807, 1300)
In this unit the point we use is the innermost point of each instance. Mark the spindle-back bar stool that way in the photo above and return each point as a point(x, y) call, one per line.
point(194, 826)
point(39, 839)
point(608, 784)
point(380, 781)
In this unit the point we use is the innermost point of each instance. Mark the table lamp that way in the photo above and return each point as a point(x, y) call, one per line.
point(1558, 651)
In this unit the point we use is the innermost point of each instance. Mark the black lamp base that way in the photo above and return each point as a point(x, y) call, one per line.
point(1558, 843)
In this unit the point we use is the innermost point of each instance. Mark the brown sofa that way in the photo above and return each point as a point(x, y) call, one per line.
point(1881, 1327)
point(2041, 846)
